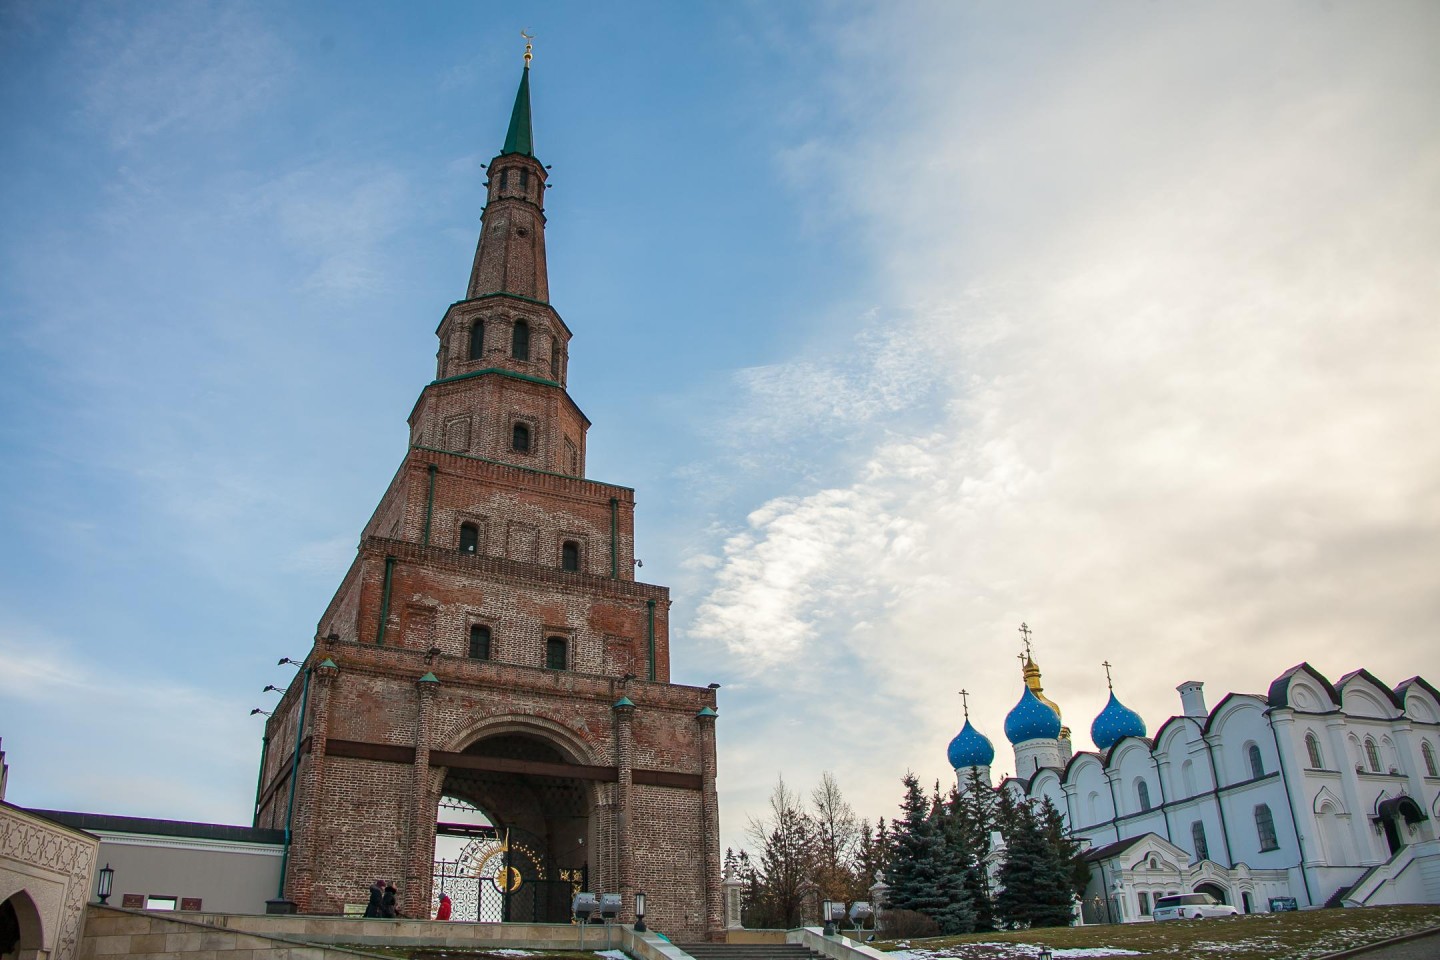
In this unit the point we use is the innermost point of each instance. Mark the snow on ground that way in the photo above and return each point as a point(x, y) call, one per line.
point(612, 954)
point(509, 952)
point(961, 951)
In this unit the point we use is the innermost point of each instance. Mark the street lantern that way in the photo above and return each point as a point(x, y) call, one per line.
point(106, 884)
point(827, 913)
point(640, 913)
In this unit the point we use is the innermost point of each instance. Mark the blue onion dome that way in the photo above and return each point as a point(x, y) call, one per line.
point(1114, 723)
point(970, 748)
point(1031, 720)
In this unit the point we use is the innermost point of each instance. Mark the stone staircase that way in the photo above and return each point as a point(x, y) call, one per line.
point(749, 951)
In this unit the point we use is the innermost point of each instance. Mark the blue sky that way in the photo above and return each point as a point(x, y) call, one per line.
point(907, 322)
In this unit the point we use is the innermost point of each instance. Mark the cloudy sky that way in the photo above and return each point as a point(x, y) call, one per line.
point(907, 321)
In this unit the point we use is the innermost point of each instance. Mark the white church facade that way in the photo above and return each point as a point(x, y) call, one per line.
point(1314, 793)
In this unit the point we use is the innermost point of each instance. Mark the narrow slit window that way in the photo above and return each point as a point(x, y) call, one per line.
point(570, 555)
point(1257, 763)
point(556, 653)
point(1142, 792)
point(1312, 747)
point(1372, 755)
point(1427, 753)
point(469, 538)
point(477, 340)
point(520, 341)
point(524, 180)
point(555, 360)
point(1197, 837)
point(520, 438)
point(479, 642)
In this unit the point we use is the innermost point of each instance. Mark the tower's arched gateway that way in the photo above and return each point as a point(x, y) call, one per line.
point(490, 653)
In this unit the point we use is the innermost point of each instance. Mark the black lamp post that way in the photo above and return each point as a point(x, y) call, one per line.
point(640, 913)
point(106, 884)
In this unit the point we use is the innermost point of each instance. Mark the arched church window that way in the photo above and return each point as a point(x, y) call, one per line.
point(469, 538)
point(1427, 753)
point(477, 340)
point(555, 359)
point(1265, 828)
point(556, 654)
point(1142, 793)
point(524, 180)
point(1197, 838)
point(1257, 763)
point(520, 438)
point(520, 341)
point(1312, 747)
point(570, 555)
point(1372, 755)
point(479, 642)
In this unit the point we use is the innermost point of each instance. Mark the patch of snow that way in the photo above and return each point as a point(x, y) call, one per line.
point(612, 954)
point(511, 952)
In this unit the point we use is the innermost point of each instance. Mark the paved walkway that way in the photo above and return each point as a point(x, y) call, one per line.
point(1423, 948)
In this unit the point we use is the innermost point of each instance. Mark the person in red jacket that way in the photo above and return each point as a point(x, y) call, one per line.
point(443, 913)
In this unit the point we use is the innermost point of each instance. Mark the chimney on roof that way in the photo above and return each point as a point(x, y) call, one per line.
point(1192, 698)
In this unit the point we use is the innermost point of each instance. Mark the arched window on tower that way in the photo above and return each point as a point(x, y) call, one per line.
point(1265, 828)
point(570, 555)
point(1427, 753)
point(1257, 763)
point(1142, 793)
point(477, 340)
point(555, 359)
point(556, 654)
point(520, 438)
point(469, 538)
point(1312, 747)
point(479, 642)
point(1197, 838)
point(1372, 755)
point(525, 180)
point(520, 341)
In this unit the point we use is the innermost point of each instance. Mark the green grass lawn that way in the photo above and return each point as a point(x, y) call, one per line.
point(1265, 936)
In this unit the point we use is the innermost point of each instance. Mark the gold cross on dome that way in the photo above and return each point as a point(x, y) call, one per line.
point(1025, 637)
point(965, 700)
point(1108, 683)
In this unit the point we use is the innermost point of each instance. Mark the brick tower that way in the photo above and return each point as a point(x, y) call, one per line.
point(490, 648)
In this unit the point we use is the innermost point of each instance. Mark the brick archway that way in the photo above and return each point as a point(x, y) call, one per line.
point(545, 811)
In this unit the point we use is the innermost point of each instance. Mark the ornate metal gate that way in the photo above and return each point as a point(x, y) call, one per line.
point(497, 880)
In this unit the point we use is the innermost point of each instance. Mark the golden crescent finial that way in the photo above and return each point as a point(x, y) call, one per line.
point(528, 45)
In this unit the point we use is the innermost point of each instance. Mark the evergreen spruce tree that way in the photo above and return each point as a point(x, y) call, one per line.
point(916, 854)
point(972, 820)
point(957, 856)
point(1037, 884)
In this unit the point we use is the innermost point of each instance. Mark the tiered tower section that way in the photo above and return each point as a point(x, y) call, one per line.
point(490, 644)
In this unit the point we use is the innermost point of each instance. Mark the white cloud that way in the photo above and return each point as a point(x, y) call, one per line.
point(198, 66)
point(1180, 298)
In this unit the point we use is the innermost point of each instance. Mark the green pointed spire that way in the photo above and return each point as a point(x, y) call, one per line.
point(519, 138)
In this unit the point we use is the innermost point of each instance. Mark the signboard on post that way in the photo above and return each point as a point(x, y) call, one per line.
point(1283, 904)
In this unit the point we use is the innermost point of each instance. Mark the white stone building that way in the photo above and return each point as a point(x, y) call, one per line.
point(1313, 792)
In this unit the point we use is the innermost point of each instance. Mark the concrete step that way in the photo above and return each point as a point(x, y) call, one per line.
point(748, 951)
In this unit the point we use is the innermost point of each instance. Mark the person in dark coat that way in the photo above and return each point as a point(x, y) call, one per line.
point(377, 896)
point(387, 902)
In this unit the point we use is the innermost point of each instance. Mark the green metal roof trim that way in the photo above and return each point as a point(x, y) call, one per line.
point(327, 662)
point(514, 466)
point(520, 138)
point(428, 678)
point(622, 702)
point(706, 712)
point(500, 370)
point(508, 296)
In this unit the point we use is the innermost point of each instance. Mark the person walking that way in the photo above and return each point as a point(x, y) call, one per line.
point(443, 912)
point(387, 902)
point(377, 896)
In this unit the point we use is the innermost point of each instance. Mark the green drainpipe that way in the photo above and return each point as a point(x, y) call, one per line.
point(429, 505)
point(260, 781)
point(650, 634)
point(385, 601)
point(294, 773)
point(614, 539)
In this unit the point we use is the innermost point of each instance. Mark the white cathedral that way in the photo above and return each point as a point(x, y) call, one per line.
point(1313, 794)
